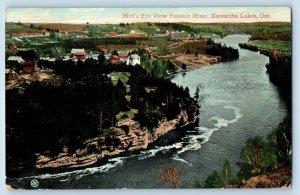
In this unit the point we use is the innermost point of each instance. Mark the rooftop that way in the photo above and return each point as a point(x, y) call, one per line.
point(15, 58)
point(77, 51)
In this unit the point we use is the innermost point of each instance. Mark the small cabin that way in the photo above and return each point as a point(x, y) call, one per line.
point(114, 59)
point(29, 67)
point(10, 75)
point(79, 54)
point(133, 60)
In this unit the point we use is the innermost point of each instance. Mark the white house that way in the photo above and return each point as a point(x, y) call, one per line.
point(133, 60)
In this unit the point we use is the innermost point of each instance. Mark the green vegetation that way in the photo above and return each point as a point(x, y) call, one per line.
point(122, 76)
point(83, 104)
point(257, 157)
point(227, 171)
point(158, 68)
point(19, 28)
point(268, 45)
point(214, 181)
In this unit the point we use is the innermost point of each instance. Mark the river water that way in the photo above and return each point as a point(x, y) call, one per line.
point(237, 102)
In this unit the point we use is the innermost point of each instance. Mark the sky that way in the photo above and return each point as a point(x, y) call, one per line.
point(117, 15)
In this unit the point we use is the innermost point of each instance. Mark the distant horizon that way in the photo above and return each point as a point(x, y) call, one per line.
point(147, 22)
point(152, 15)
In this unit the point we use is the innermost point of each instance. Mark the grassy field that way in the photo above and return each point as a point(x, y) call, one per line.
point(17, 28)
point(123, 76)
point(266, 36)
point(283, 46)
point(61, 27)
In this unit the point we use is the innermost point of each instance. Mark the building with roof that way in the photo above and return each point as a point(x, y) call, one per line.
point(10, 75)
point(29, 67)
point(114, 59)
point(133, 60)
point(78, 54)
point(15, 59)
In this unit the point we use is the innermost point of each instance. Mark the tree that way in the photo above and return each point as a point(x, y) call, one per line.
point(170, 174)
point(259, 155)
point(281, 139)
point(114, 52)
point(57, 52)
point(197, 93)
point(227, 171)
point(53, 35)
point(252, 153)
point(101, 58)
point(213, 181)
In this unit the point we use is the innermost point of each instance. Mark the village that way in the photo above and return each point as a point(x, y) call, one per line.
point(33, 53)
point(16, 65)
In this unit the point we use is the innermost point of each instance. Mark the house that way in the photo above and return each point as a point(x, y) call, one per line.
point(123, 56)
point(29, 67)
point(15, 59)
point(78, 54)
point(114, 59)
point(12, 46)
point(133, 60)
point(10, 75)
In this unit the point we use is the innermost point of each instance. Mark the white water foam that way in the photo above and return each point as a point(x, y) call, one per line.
point(195, 141)
point(188, 143)
point(65, 176)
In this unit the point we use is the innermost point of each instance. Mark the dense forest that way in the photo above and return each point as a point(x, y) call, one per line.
point(280, 71)
point(83, 104)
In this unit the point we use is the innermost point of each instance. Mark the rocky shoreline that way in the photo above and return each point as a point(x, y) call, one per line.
point(280, 177)
point(134, 140)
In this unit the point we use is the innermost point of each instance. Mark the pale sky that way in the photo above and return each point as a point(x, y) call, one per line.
point(115, 15)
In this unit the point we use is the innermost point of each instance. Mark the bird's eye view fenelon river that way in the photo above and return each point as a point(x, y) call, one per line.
point(238, 102)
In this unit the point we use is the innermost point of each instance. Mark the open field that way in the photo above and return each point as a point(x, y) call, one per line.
point(19, 28)
point(269, 45)
point(61, 27)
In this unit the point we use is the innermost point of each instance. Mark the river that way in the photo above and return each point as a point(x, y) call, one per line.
point(237, 102)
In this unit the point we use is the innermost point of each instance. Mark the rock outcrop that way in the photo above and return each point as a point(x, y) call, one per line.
point(278, 178)
point(129, 135)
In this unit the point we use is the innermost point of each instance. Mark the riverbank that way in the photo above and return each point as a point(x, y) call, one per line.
point(194, 54)
point(135, 139)
point(192, 61)
point(277, 178)
point(279, 69)
point(227, 115)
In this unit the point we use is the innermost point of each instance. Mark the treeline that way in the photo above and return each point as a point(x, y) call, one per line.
point(248, 46)
point(258, 156)
point(45, 116)
point(156, 98)
point(177, 27)
point(217, 49)
point(280, 71)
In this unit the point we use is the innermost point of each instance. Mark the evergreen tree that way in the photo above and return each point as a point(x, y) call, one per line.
point(227, 175)
point(214, 181)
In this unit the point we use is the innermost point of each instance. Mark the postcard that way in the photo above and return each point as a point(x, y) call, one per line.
point(148, 98)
